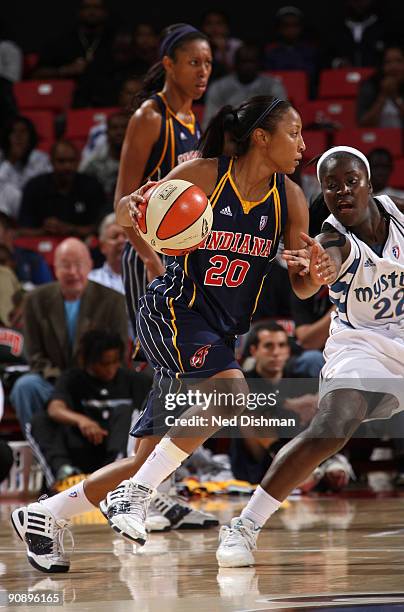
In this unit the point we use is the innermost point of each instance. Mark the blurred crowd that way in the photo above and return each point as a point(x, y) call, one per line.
point(69, 385)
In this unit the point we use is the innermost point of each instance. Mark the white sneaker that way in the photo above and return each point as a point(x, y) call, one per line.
point(181, 515)
point(236, 543)
point(126, 508)
point(43, 536)
point(155, 520)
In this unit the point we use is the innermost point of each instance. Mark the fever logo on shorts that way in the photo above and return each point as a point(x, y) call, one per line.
point(198, 358)
point(396, 251)
point(263, 222)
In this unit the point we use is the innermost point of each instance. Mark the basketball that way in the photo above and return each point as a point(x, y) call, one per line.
point(176, 217)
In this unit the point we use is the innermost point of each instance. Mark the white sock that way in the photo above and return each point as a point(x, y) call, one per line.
point(68, 503)
point(260, 507)
point(164, 460)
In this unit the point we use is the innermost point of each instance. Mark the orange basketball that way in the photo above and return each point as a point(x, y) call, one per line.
point(176, 217)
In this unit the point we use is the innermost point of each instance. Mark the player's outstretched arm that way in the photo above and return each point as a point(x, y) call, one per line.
point(320, 261)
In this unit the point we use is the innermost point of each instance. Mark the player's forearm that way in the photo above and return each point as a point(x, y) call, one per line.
point(303, 286)
point(60, 412)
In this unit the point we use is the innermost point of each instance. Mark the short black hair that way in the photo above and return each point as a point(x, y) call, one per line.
point(380, 151)
point(95, 342)
point(271, 326)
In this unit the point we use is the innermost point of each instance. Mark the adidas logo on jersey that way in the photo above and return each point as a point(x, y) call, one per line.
point(226, 211)
point(368, 263)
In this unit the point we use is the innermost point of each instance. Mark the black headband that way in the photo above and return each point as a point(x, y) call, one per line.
point(261, 118)
point(174, 37)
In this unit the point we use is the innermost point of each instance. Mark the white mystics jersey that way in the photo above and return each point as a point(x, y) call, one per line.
point(369, 292)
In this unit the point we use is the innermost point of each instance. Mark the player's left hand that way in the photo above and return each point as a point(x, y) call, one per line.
point(313, 260)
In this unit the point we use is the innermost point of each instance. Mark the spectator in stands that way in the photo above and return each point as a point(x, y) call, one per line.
point(81, 53)
point(10, 198)
point(88, 417)
point(9, 286)
point(380, 100)
point(97, 136)
point(11, 58)
point(64, 202)
point(112, 239)
point(381, 166)
point(29, 266)
point(145, 46)
point(291, 50)
point(56, 315)
point(6, 454)
point(215, 24)
point(359, 40)
point(21, 159)
point(103, 164)
point(10, 72)
point(245, 82)
point(252, 455)
point(312, 319)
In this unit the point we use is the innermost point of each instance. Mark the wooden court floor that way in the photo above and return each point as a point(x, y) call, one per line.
point(318, 554)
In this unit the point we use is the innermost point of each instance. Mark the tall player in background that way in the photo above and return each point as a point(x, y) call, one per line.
point(161, 134)
point(188, 318)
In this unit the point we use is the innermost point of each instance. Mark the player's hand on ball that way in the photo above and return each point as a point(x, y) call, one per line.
point(132, 201)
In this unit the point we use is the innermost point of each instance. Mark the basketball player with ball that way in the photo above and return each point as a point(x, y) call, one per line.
point(189, 318)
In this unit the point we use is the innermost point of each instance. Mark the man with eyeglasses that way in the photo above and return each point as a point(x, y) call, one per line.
point(56, 315)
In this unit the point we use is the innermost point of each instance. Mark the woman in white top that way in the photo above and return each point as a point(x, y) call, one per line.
point(21, 159)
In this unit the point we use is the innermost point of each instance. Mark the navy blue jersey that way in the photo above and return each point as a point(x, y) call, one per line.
point(222, 280)
point(177, 142)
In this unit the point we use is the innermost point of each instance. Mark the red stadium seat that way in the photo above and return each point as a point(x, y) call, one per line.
point(339, 113)
point(397, 177)
point(44, 123)
point(54, 95)
point(79, 122)
point(316, 143)
point(45, 245)
point(366, 139)
point(342, 82)
point(295, 83)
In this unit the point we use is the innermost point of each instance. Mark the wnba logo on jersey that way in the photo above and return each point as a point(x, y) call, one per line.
point(198, 358)
point(396, 251)
point(263, 222)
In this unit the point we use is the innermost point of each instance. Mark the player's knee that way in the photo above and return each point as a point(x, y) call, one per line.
point(340, 413)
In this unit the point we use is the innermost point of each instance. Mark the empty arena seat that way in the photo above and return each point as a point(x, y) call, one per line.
point(316, 143)
point(397, 176)
point(342, 82)
point(340, 113)
point(295, 83)
point(54, 95)
point(79, 122)
point(366, 139)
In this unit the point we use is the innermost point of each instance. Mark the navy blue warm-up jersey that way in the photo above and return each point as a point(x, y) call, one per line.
point(177, 142)
point(223, 279)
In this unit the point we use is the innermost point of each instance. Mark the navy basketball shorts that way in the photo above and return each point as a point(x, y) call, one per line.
point(180, 345)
